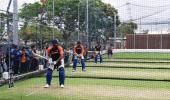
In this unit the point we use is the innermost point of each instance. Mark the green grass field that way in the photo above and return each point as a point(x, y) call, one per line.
point(86, 89)
point(133, 73)
point(126, 65)
point(135, 60)
point(148, 55)
point(90, 88)
point(107, 81)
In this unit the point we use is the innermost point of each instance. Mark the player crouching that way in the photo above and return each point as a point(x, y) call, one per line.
point(56, 54)
point(78, 54)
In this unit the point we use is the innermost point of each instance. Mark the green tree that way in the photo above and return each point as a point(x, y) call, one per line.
point(127, 28)
point(33, 33)
point(3, 18)
point(101, 17)
point(35, 27)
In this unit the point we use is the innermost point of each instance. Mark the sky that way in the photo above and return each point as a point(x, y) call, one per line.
point(153, 10)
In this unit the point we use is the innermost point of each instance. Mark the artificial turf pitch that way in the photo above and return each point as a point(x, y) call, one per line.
point(107, 81)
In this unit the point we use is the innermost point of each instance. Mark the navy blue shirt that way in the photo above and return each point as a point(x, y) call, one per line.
point(17, 55)
point(29, 54)
point(98, 47)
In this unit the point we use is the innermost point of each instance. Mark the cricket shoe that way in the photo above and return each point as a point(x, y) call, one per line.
point(62, 86)
point(46, 86)
point(84, 70)
point(74, 70)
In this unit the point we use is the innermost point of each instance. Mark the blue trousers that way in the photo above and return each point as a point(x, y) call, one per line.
point(96, 58)
point(61, 76)
point(82, 64)
point(2, 66)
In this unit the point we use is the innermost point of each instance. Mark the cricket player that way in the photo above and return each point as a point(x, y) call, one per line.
point(98, 49)
point(78, 54)
point(56, 56)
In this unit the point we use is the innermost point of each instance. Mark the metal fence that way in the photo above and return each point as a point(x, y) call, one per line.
point(147, 41)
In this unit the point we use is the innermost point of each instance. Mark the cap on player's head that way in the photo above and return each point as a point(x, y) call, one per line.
point(78, 42)
point(15, 46)
point(32, 46)
point(55, 41)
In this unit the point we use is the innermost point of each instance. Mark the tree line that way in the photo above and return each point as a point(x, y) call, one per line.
point(69, 19)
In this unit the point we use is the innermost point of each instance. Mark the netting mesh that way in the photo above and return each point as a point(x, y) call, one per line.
point(127, 66)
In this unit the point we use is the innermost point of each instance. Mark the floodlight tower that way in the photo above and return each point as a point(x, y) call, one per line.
point(87, 21)
point(53, 17)
point(15, 22)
